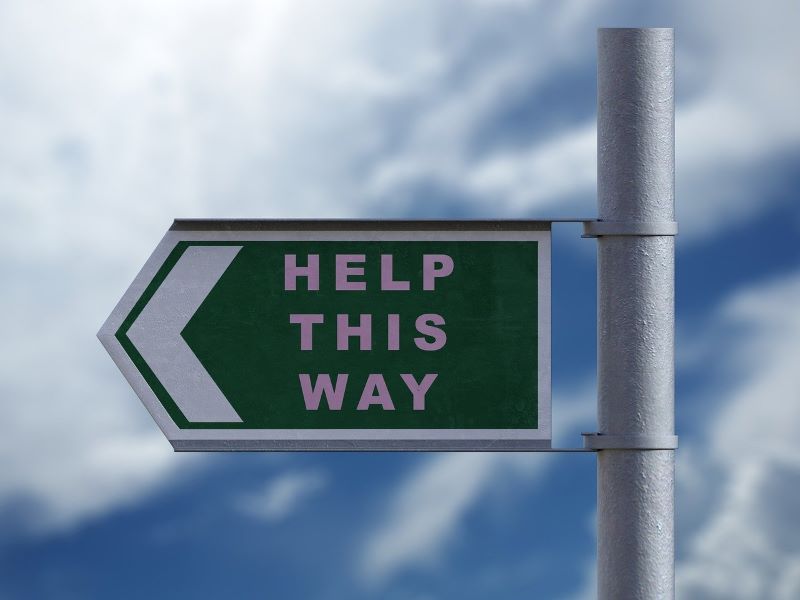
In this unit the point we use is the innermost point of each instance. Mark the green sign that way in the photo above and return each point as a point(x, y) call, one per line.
point(340, 335)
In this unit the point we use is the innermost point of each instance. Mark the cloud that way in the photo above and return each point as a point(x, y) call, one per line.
point(745, 545)
point(118, 117)
point(492, 60)
point(737, 126)
point(557, 173)
point(429, 507)
point(74, 442)
point(738, 481)
point(735, 123)
point(282, 496)
point(54, 489)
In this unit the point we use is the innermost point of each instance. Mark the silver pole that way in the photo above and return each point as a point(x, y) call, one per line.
point(636, 315)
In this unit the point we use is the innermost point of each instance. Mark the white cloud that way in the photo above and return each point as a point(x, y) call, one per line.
point(738, 480)
point(118, 117)
point(747, 542)
point(740, 120)
point(426, 510)
point(736, 120)
point(65, 481)
point(749, 548)
point(438, 145)
point(430, 505)
point(74, 442)
point(556, 174)
point(282, 496)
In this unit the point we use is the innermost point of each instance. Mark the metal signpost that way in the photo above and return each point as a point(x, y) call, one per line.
point(435, 335)
point(636, 314)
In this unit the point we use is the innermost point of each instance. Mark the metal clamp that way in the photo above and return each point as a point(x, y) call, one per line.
point(593, 229)
point(601, 441)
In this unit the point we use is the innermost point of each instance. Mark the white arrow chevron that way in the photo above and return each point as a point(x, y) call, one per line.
point(156, 333)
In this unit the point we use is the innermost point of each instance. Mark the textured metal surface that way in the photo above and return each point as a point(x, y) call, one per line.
point(359, 225)
point(635, 546)
point(360, 445)
point(636, 313)
point(601, 228)
point(599, 441)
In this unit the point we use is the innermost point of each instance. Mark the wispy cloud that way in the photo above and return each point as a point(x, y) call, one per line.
point(738, 481)
point(746, 544)
point(282, 496)
point(73, 442)
point(429, 507)
point(735, 119)
point(118, 117)
point(425, 512)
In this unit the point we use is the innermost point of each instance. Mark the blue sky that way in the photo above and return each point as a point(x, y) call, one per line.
point(116, 118)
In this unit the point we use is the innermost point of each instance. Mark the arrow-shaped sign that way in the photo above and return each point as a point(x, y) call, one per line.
point(342, 335)
point(156, 333)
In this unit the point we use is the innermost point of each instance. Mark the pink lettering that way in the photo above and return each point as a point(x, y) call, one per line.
point(375, 383)
point(306, 323)
point(426, 326)
point(291, 272)
point(344, 331)
point(387, 275)
point(393, 325)
point(313, 395)
point(430, 270)
point(344, 271)
point(418, 390)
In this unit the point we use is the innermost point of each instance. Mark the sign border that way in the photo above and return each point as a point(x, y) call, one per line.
point(214, 230)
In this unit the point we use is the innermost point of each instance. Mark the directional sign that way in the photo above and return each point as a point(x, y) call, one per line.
point(342, 335)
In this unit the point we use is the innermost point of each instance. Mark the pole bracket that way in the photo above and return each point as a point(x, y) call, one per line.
point(596, 228)
point(602, 441)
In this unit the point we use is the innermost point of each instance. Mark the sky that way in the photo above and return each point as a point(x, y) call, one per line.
point(117, 117)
